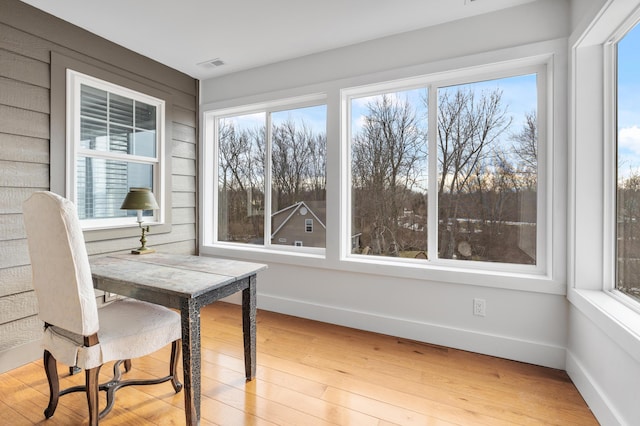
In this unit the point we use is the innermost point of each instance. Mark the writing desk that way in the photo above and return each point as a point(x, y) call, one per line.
point(185, 283)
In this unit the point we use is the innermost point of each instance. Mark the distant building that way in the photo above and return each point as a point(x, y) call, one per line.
point(301, 224)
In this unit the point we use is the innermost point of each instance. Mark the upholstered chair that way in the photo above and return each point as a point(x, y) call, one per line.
point(76, 332)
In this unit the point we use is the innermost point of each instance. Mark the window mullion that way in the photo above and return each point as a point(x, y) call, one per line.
point(267, 179)
point(110, 155)
point(609, 166)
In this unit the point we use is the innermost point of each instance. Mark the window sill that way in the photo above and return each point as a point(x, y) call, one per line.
point(124, 231)
point(382, 267)
point(615, 319)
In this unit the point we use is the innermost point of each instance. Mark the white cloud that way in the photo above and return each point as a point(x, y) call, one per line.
point(247, 121)
point(629, 139)
point(628, 151)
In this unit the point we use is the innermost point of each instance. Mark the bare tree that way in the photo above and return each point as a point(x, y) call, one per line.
point(298, 162)
point(468, 128)
point(525, 147)
point(628, 230)
point(387, 156)
point(241, 181)
point(317, 179)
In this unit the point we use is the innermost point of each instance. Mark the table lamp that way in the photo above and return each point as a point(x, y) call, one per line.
point(140, 199)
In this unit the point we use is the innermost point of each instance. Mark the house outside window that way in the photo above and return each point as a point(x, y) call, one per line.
point(281, 171)
point(449, 171)
point(115, 142)
point(628, 164)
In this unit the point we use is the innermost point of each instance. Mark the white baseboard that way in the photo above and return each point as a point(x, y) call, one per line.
point(593, 396)
point(19, 356)
point(473, 341)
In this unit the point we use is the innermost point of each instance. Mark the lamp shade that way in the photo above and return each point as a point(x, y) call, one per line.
point(139, 199)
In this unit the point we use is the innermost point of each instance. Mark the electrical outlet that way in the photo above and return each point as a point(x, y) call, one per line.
point(479, 307)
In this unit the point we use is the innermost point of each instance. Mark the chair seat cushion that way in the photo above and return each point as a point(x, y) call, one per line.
point(128, 329)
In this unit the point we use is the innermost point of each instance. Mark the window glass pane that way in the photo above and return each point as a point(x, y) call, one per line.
point(120, 110)
point(628, 188)
point(389, 174)
point(487, 143)
point(93, 103)
point(145, 116)
point(116, 130)
point(93, 134)
point(119, 139)
point(103, 184)
point(144, 143)
point(241, 171)
point(298, 186)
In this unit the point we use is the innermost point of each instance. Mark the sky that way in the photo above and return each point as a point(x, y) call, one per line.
point(629, 103)
point(519, 97)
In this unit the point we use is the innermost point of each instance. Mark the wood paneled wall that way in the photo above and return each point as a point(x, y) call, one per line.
point(28, 37)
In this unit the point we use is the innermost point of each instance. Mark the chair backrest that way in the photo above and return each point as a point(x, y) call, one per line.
point(60, 264)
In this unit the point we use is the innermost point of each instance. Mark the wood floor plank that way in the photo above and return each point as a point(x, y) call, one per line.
point(315, 405)
point(401, 391)
point(311, 373)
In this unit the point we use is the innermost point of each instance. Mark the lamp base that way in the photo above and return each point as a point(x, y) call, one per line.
point(142, 250)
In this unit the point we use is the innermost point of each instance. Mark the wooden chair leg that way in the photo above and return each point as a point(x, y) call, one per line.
point(92, 384)
point(173, 365)
point(54, 385)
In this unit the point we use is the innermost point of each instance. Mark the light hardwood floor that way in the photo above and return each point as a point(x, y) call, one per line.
point(311, 373)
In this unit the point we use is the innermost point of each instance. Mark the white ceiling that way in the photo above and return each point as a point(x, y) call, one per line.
point(250, 33)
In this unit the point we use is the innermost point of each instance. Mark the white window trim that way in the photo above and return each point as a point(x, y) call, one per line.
point(74, 81)
point(591, 262)
point(553, 282)
point(610, 163)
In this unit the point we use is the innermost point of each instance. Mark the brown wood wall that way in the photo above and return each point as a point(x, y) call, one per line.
point(27, 39)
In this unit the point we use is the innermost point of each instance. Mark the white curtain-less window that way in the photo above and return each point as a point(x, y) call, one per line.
point(114, 144)
point(432, 172)
point(449, 171)
point(628, 167)
point(281, 171)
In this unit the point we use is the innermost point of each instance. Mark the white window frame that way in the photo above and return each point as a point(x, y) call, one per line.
point(611, 134)
point(73, 149)
point(593, 162)
point(308, 225)
point(540, 67)
point(210, 156)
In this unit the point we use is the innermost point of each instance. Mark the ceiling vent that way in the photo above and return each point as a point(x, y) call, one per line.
point(212, 63)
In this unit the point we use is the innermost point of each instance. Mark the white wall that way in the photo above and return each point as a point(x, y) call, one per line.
point(538, 21)
point(528, 325)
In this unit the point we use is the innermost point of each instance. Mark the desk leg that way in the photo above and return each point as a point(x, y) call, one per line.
point(249, 306)
point(190, 314)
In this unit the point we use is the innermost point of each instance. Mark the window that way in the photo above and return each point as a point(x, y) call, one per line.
point(628, 164)
point(115, 142)
point(281, 171)
point(448, 171)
